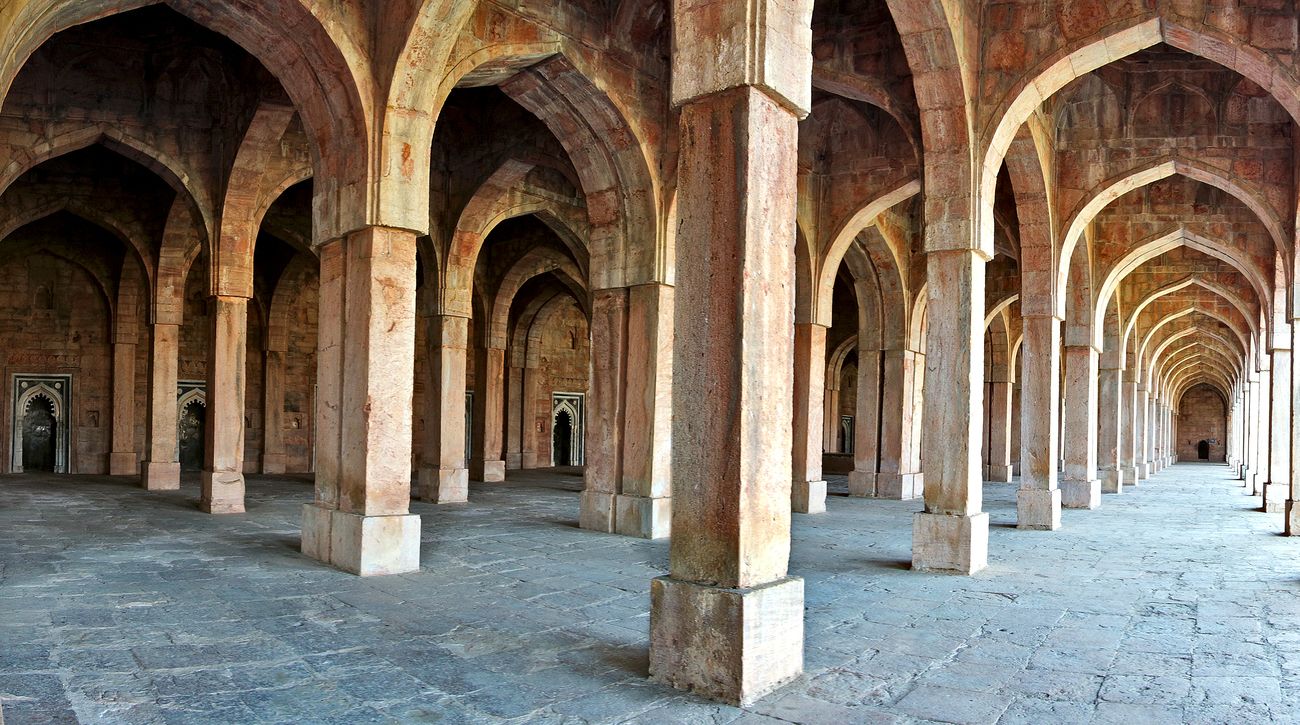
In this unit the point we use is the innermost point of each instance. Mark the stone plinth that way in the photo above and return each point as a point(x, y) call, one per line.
point(862, 483)
point(160, 476)
point(1275, 495)
point(1291, 522)
point(444, 485)
point(373, 545)
point(596, 511)
point(487, 471)
point(808, 497)
point(899, 486)
point(1080, 494)
point(950, 543)
point(123, 463)
point(998, 474)
point(223, 492)
point(643, 517)
point(1038, 509)
point(1112, 480)
point(733, 645)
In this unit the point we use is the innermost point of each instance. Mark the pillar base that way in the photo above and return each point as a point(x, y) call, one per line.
point(223, 492)
point(1081, 494)
point(596, 511)
point(643, 517)
point(941, 542)
point(733, 645)
point(1275, 495)
point(366, 545)
point(1038, 509)
point(160, 476)
point(1130, 475)
point(316, 531)
point(1291, 522)
point(1143, 471)
point(1112, 480)
point(123, 463)
point(862, 483)
point(487, 471)
point(444, 485)
point(899, 486)
point(273, 464)
point(808, 497)
point(998, 474)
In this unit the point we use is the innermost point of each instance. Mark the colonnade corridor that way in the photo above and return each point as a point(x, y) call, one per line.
point(1169, 603)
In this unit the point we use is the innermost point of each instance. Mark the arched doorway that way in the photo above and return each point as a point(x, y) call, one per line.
point(40, 434)
point(567, 429)
point(1203, 450)
point(192, 434)
point(561, 438)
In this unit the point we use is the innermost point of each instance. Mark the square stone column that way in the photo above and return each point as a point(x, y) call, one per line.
point(1291, 523)
point(330, 331)
point(808, 490)
point(1263, 428)
point(1131, 435)
point(444, 477)
point(1142, 431)
point(727, 622)
point(999, 439)
point(514, 411)
point(1110, 432)
point(529, 457)
point(603, 472)
point(1015, 427)
point(1038, 502)
point(1081, 488)
point(898, 477)
point(223, 469)
point(160, 470)
point(951, 534)
point(273, 459)
point(371, 531)
point(866, 427)
point(487, 463)
point(1278, 487)
point(643, 507)
point(122, 461)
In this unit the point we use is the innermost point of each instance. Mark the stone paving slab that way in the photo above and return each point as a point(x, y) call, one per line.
point(1175, 601)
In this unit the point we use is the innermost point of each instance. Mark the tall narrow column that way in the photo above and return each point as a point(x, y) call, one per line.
point(161, 471)
point(1142, 430)
point(808, 490)
point(1015, 428)
point(486, 464)
point(273, 460)
point(1081, 488)
point(644, 505)
point(951, 534)
point(1110, 436)
point(443, 475)
point(1291, 523)
point(371, 531)
point(1250, 426)
point(727, 622)
point(999, 440)
point(898, 478)
point(223, 469)
point(603, 472)
point(514, 410)
point(532, 457)
point(1129, 420)
point(866, 425)
point(1038, 502)
point(122, 461)
point(831, 420)
point(318, 515)
point(1279, 466)
point(1153, 431)
point(1264, 439)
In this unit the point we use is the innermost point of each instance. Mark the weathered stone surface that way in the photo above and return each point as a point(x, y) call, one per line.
point(950, 543)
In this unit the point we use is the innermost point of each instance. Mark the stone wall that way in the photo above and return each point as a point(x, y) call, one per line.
point(1201, 416)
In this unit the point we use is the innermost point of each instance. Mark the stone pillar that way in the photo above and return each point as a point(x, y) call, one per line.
point(1110, 431)
point(603, 472)
point(727, 622)
point(1153, 430)
point(273, 460)
point(1279, 459)
point(1038, 502)
point(1129, 421)
point(530, 432)
point(160, 470)
point(831, 420)
point(1081, 488)
point(866, 426)
point(486, 464)
point(367, 369)
point(443, 475)
point(999, 440)
point(122, 461)
point(898, 477)
point(808, 490)
point(1250, 424)
point(223, 468)
point(951, 534)
point(643, 507)
point(1142, 430)
point(1264, 439)
point(1015, 428)
point(1291, 523)
point(514, 411)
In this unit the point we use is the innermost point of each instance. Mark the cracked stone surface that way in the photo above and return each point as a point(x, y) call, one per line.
point(1175, 601)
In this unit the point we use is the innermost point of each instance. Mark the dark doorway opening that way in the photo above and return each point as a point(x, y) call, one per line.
point(1203, 450)
point(561, 438)
point(193, 435)
point(40, 431)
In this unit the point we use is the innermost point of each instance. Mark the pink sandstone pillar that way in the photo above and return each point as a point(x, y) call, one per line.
point(603, 437)
point(1110, 431)
point(898, 477)
point(866, 427)
point(643, 507)
point(372, 363)
point(514, 410)
point(951, 534)
point(273, 459)
point(1279, 461)
point(1129, 420)
point(1038, 502)
point(999, 438)
point(486, 464)
point(122, 461)
point(443, 475)
point(530, 456)
point(160, 470)
point(727, 622)
point(808, 490)
point(1015, 428)
point(1142, 430)
point(1081, 488)
point(223, 469)
point(831, 420)
point(318, 515)
point(1250, 422)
